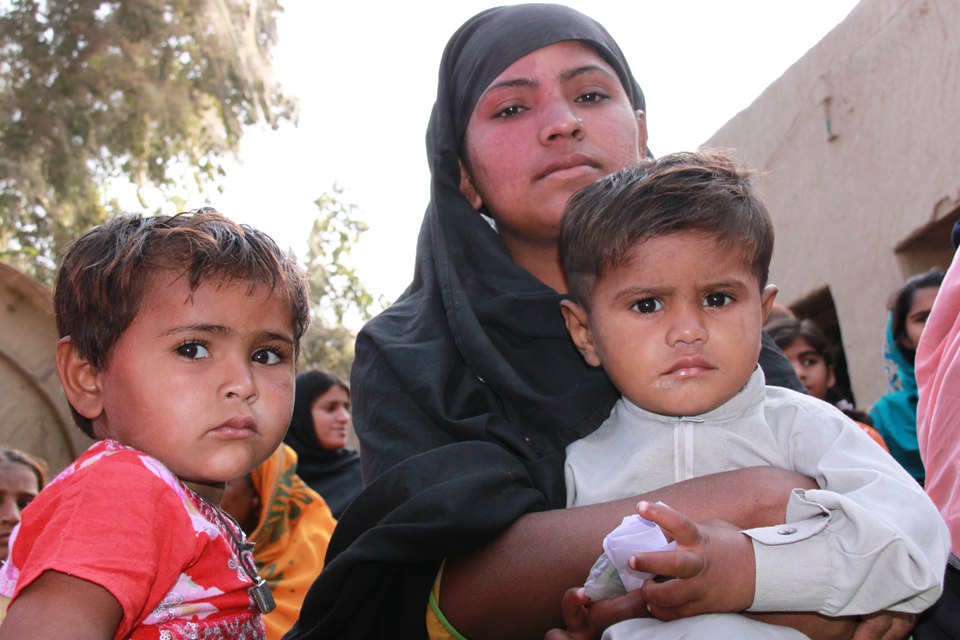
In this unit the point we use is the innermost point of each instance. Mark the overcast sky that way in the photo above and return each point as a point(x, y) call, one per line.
point(366, 77)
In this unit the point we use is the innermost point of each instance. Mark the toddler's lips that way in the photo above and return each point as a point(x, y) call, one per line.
point(689, 367)
point(238, 428)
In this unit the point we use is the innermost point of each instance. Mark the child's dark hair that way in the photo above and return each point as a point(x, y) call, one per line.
point(104, 274)
point(902, 300)
point(704, 192)
point(36, 465)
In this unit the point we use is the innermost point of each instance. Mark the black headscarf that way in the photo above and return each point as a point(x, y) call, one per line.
point(334, 474)
point(468, 389)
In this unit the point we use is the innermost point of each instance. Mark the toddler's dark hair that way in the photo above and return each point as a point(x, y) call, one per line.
point(703, 192)
point(104, 274)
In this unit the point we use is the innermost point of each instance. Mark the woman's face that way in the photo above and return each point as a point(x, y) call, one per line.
point(917, 315)
point(811, 367)
point(331, 417)
point(18, 486)
point(553, 122)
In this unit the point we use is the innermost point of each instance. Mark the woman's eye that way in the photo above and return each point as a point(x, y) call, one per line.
point(266, 356)
point(810, 362)
point(510, 111)
point(193, 351)
point(647, 305)
point(592, 96)
point(717, 300)
point(23, 502)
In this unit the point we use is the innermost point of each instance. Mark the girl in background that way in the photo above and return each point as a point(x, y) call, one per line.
point(21, 479)
point(811, 356)
point(895, 414)
point(318, 433)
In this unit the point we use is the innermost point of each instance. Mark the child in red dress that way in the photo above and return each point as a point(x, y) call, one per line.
point(179, 337)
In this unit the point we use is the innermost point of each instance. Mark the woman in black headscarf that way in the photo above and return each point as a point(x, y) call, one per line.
point(318, 433)
point(468, 388)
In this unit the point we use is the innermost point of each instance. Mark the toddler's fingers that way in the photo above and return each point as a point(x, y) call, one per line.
point(681, 596)
point(683, 529)
point(674, 564)
point(626, 607)
point(572, 609)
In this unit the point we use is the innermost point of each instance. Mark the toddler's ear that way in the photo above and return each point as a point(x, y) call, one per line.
point(767, 296)
point(80, 380)
point(578, 324)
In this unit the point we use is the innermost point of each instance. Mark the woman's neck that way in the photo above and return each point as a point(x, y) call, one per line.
point(541, 260)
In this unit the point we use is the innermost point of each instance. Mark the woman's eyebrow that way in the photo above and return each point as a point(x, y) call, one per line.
point(570, 74)
point(526, 83)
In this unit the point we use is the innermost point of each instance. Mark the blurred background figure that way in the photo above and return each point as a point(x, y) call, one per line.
point(290, 527)
point(895, 414)
point(810, 354)
point(318, 433)
point(21, 479)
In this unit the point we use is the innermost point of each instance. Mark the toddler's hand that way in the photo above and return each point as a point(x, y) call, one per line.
point(576, 617)
point(713, 566)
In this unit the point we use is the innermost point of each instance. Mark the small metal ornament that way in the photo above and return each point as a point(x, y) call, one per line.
point(262, 597)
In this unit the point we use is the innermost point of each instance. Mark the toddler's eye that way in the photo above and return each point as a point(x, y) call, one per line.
point(23, 502)
point(647, 305)
point(266, 356)
point(193, 351)
point(717, 300)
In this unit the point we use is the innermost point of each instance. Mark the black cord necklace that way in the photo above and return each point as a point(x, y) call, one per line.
point(259, 592)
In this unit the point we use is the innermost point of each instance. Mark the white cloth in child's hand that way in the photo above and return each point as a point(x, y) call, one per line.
point(634, 535)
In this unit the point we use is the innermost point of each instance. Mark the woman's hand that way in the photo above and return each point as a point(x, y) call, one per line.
point(885, 625)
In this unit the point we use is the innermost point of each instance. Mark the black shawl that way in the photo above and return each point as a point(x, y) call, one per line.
point(335, 475)
point(467, 390)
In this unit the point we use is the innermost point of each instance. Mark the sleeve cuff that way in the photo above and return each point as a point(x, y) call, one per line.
point(792, 560)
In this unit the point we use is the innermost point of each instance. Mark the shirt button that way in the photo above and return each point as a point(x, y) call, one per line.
point(786, 531)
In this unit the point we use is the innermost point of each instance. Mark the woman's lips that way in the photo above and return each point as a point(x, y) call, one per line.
point(567, 166)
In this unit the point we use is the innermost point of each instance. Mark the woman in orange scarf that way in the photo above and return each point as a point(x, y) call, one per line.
point(290, 526)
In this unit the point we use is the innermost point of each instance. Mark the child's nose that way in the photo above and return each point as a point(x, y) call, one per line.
point(9, 511)
point(239, 381)
point(687, 328)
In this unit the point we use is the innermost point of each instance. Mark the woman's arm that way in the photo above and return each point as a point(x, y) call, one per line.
point(59, 606)
point(512, 587)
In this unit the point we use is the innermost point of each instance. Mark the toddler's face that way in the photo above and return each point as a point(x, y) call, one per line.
point(204, 382)
point(678, 327)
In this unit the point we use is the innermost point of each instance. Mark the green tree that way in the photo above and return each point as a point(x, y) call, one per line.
point(335, 290)
point(94, 90)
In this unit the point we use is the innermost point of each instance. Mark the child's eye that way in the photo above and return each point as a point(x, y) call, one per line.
point(647, 305)
point(23, 502)
point(717, 300)
point(266, 356)
point(810, 362)
point(193, 350)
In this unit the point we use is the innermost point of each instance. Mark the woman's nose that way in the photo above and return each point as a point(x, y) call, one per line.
point(9, 511)
point(343, 415)
point(560, 121)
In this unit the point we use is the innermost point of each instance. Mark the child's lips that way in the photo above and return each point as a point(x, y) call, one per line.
point(689, 367)
point(239, 428)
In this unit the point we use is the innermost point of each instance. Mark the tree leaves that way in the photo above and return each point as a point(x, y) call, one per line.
point(92, 90)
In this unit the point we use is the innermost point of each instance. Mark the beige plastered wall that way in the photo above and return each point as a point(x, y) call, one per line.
point(888, 81)
point(34, 414)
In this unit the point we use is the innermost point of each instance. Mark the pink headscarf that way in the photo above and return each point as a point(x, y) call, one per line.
point(938, 413)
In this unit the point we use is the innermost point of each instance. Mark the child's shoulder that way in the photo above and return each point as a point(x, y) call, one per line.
point(114, 462)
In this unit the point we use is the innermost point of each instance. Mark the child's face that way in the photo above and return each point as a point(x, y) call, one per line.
point(202, 381)
point(811, 367)
point(677, 328)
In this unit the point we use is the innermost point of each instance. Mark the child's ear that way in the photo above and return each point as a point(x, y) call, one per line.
point(831, 378)
point(578, 324)
point(767, 296)
point(80, 380)
point(467, 188)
